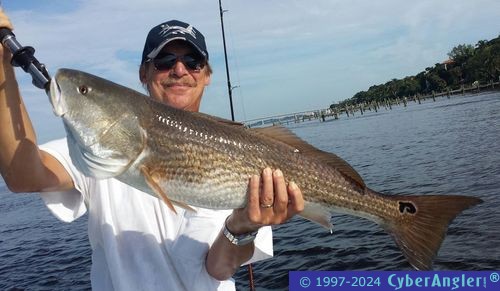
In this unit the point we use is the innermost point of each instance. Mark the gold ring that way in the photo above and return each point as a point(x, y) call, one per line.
point(266, 205)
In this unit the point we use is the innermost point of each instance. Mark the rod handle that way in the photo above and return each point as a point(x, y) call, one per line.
point(23, 56)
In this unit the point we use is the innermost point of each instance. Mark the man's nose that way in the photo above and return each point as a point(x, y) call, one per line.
point(179, 69)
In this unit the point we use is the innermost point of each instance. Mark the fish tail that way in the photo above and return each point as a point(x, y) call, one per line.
point(422, 222)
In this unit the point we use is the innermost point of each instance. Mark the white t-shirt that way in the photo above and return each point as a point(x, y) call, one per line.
point(137, 242)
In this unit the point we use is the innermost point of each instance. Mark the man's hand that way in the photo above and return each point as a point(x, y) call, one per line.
point(270, 202)
point(4, 22)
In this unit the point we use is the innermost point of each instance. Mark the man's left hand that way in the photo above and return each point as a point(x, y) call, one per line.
point(270, 201)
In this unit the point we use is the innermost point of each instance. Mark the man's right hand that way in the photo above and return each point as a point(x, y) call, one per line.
point(4, 22)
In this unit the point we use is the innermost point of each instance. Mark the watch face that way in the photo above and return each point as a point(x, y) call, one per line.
point(239, 240)
point(246, 239)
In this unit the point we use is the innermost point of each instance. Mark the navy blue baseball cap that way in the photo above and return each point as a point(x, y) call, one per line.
point(171, 30)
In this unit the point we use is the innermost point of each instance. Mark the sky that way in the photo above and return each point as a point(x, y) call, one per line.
point(284, 55)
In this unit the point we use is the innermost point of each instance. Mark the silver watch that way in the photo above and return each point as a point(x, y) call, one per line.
point(239, 239)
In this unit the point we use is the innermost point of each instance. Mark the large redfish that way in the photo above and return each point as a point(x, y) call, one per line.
point(189, 158)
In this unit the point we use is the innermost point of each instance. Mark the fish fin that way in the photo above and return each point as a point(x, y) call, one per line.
point(286, 136)
point(219, 119)
point(156, 189)
point(317, 213)
point(183, 205)
point(162, 195)
point(422, 223)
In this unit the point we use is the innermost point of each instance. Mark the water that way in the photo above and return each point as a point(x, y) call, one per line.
point(448, 146)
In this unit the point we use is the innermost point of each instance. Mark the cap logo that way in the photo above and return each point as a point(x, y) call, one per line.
point(175, 29)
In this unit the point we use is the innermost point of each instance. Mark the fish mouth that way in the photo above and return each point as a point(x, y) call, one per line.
point(57, 98)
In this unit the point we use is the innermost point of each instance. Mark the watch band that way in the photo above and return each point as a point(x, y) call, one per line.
point(239, 239)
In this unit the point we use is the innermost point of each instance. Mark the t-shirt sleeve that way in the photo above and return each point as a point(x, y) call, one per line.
point(66, 205)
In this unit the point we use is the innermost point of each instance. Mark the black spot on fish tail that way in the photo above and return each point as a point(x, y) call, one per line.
point(407, 206)
point(421, 226)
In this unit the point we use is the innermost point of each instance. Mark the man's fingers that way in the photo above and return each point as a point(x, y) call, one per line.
point(270, 200)
point(267, 194)
point(280, 194)
point(254, 199)
point(4, 20)
point(296, 204)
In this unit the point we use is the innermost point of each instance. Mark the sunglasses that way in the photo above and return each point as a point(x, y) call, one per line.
point(166, 62)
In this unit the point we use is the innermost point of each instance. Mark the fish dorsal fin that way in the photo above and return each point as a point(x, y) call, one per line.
point(286, 136)
point(219, 119)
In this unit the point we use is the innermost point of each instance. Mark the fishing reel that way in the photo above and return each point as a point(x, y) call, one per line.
point(23, 56)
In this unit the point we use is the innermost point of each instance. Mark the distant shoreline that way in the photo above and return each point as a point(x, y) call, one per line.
point(351, 109)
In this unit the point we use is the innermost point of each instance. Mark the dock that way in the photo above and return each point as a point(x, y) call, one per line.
point(335, 111)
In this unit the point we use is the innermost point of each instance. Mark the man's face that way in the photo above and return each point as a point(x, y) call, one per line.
point(180, 86)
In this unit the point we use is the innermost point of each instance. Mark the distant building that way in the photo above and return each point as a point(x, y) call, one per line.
point(448, 62)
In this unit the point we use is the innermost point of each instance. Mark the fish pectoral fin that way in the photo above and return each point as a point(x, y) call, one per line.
point(156, 189)
point(286, 136)
point(183, 205)
point(161, 194)
point(318, 214)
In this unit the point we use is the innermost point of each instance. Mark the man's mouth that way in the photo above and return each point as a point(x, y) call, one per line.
point(178, 83)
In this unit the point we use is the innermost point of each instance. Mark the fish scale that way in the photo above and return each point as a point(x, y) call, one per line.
point(190, 158)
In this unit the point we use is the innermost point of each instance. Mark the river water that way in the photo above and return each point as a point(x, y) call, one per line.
point(450, 146)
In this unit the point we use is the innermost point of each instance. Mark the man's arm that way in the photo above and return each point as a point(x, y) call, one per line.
point(23, 166)
point(224, 258)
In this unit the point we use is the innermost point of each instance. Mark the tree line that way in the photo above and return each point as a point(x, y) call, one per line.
point(467, 65)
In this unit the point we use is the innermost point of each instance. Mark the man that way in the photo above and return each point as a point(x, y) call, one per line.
point(138, 243)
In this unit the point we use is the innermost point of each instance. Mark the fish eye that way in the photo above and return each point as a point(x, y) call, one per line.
point(83, 89)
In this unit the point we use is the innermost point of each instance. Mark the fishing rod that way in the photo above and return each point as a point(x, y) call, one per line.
point(24, 57)
point(229, 87)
